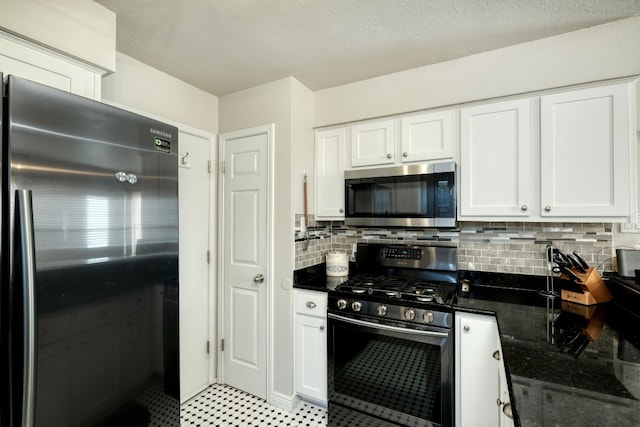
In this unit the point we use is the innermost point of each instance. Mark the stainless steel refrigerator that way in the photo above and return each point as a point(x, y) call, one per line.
point(89, 291)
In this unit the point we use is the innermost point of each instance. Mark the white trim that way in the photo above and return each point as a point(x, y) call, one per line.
point(282, 401)
point(52, 53)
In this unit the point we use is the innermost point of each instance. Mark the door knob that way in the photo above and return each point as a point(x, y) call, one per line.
point(259, 278)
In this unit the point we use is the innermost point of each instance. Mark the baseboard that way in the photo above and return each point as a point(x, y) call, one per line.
point(282, 401)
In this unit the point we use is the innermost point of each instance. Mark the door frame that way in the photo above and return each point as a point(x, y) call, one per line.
point(269, 130)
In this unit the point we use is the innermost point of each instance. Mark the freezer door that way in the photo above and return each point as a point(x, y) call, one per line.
point(104, 193)
point(104, 181)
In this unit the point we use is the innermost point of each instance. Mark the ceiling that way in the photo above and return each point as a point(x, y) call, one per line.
point(222, 46)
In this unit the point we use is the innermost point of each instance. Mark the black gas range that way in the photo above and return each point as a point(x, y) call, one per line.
point(408, 283)
point(395, 314)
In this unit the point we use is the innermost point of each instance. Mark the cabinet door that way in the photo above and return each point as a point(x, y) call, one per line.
point(373, 144)
point(586, 153)
point(331, 146)
point(495, 160)
point(477, 371)
point(31, 62)
point(427, 137)
point(311, 357)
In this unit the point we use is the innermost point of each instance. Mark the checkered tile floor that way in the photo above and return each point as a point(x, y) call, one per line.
point(223, 406)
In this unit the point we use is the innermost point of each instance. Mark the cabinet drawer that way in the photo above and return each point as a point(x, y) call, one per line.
point(98, 314)
point(311, 303)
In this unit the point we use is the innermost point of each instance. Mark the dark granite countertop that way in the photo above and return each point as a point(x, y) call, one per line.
point(568, 364)
point(315, 278)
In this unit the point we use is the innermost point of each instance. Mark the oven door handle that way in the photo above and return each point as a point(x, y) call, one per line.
point(387, 327)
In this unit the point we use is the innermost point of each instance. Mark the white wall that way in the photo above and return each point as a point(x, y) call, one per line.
point(302, 148)
point(144, 88)
point(287, 104)
point(81, 29)
point(597, 53)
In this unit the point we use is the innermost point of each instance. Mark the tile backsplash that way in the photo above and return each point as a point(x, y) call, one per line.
point(483, 246)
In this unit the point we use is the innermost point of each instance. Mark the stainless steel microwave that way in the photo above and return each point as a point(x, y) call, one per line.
point(421, 195)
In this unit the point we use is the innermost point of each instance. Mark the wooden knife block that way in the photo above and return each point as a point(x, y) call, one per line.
point(594, 290)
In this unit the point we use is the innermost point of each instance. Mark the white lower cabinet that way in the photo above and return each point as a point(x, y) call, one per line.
point(481, 391)
point(311, 345)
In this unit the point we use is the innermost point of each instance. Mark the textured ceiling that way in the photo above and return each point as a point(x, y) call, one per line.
point(222, 46)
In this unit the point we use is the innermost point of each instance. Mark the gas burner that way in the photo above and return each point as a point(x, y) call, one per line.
point(358, 290)
point(424, 299)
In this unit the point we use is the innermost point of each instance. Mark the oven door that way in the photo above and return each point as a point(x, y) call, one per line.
point(388, 373)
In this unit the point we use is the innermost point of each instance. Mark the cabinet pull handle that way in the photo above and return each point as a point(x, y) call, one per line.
point(341, 210)
point(405, 154)
point(311, 304)
point(466, 328)
point(388, 156)
point(524, 207)
point(547, 208)
point(496, 355)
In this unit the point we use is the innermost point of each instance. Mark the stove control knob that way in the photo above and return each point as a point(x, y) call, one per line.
point(342, 304)
point(382, 310)
point(427, 317)
point(409, 314)
point(356, 306)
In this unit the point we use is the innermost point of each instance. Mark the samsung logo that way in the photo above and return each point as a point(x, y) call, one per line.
point(160, 133)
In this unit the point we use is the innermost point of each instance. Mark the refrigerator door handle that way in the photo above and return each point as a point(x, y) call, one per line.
point(25, 235)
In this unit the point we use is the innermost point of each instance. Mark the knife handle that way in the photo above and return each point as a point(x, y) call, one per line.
point(576, 264)
point(581, 260)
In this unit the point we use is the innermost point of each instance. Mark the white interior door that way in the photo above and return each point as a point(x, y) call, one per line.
point(194, 196)
point(244, 260)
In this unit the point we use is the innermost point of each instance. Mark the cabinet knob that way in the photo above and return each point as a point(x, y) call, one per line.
point(322, 327)
point(388, 156)
point(496, 355)
point(547, 208)
point(466, 328)
point(524, 207)
point(311, 304)
point(405, 154)
point(341, 210)
point(506, 409)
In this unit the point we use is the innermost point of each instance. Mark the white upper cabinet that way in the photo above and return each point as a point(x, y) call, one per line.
point(373, 144)
point(568, 156)
point(495, 160)
point(32, 62)
point(331, 147)
point(587, 153)
point(427, 137)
